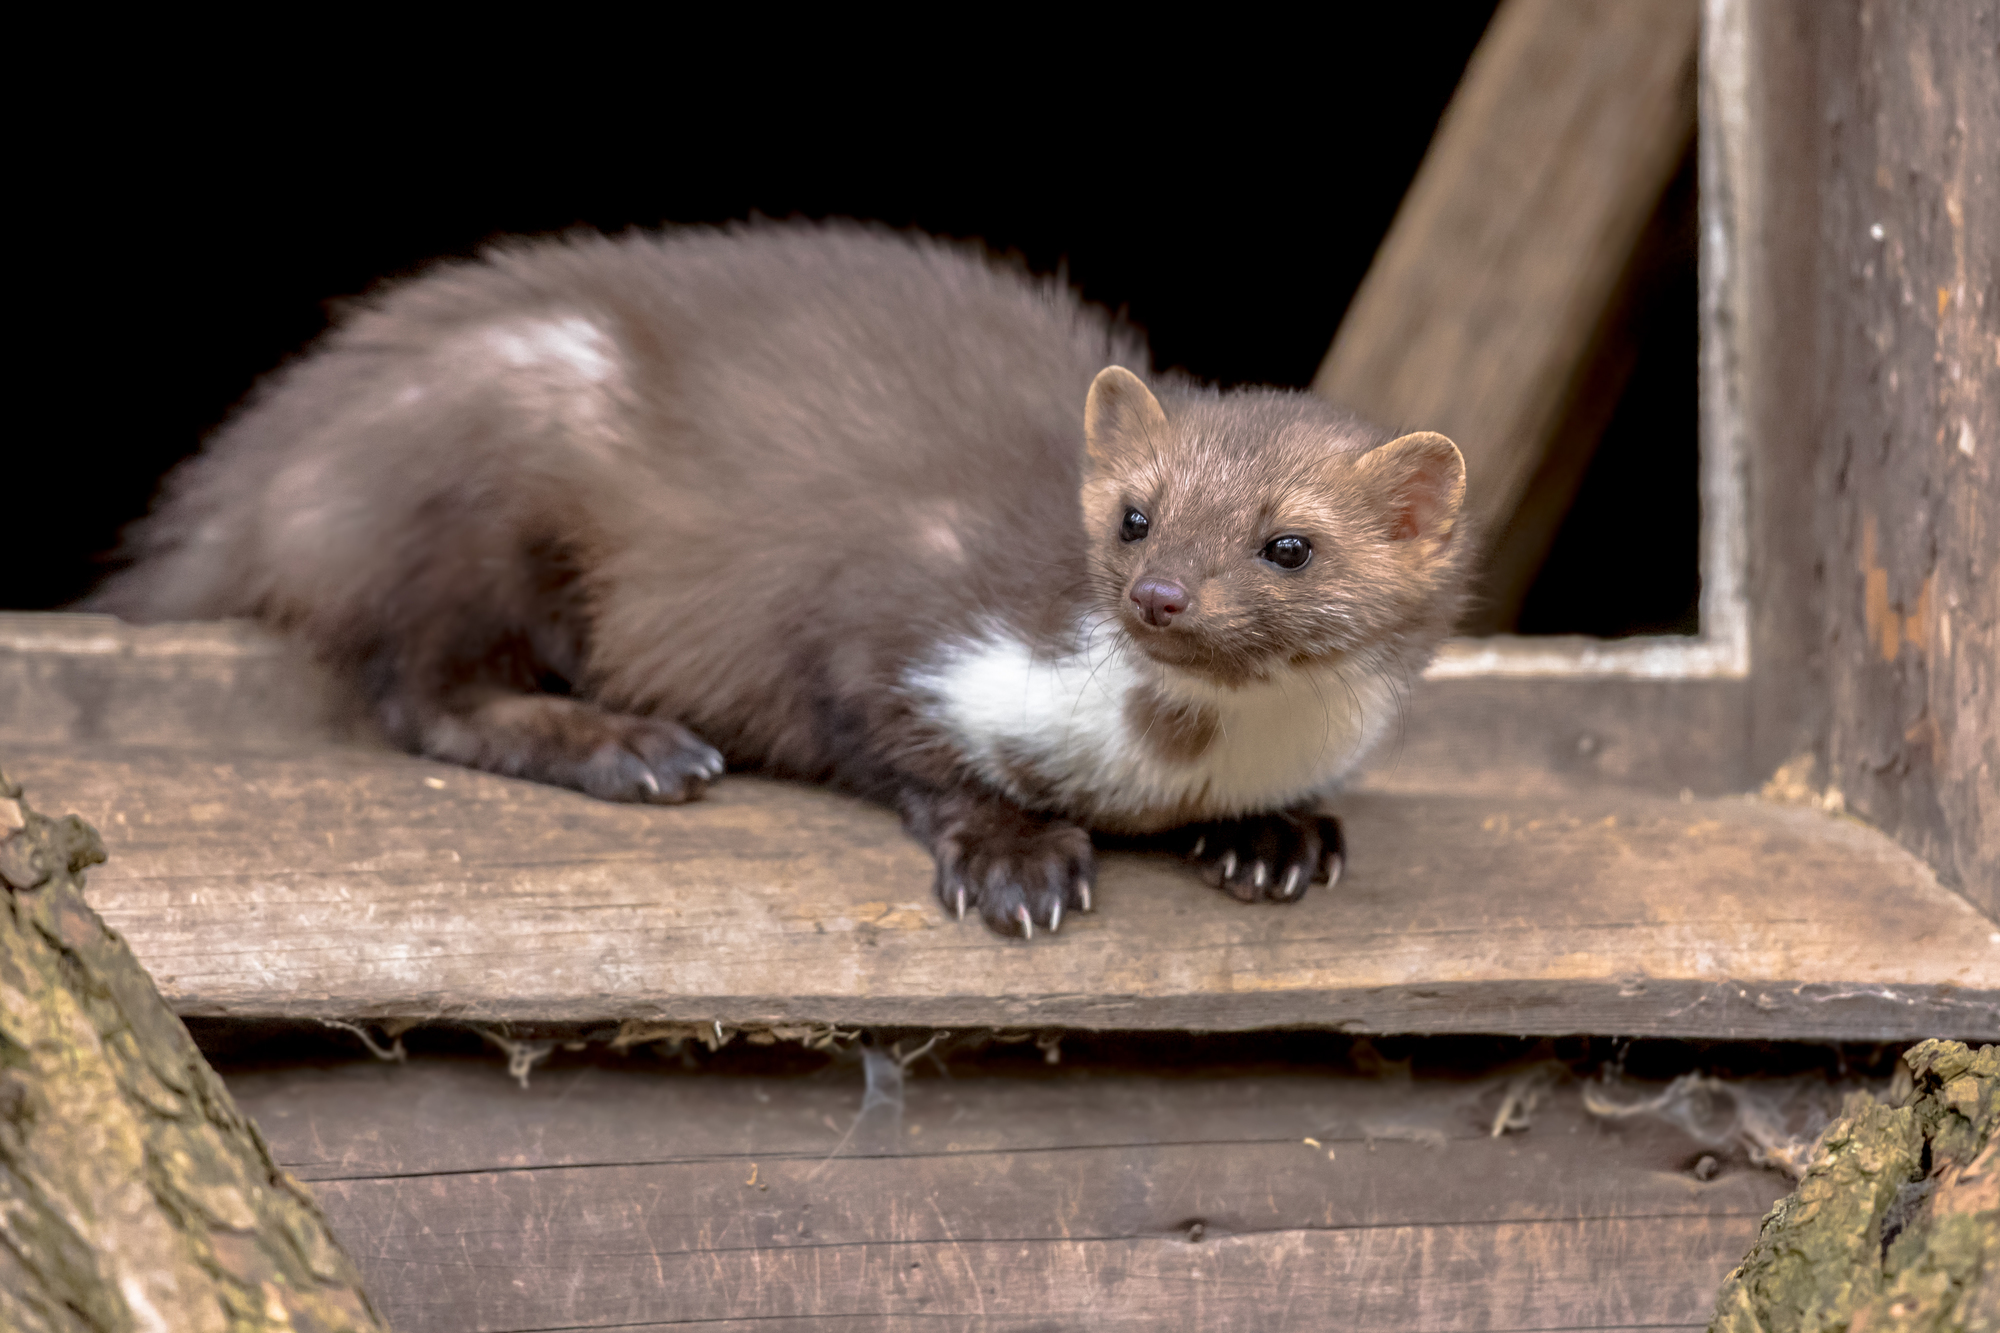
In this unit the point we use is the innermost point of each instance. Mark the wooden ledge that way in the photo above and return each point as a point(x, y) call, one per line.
point(345, 882)
point(67, 679)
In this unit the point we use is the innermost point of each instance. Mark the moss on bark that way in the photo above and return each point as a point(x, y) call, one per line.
point(133, 1194)
point(1896, 1225)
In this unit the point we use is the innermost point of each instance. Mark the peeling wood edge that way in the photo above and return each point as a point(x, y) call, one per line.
point(1720, 1010)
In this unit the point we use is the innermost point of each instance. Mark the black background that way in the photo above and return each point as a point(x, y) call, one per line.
point(198, 196)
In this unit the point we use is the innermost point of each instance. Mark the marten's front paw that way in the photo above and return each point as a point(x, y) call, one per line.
point(1020, 872)
point(1276, 857)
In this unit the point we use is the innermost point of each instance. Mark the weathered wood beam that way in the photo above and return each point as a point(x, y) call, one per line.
point(357, 884)
point(1478, 316)
point(1904, 402)
point(89, 680)
point(614, 1195)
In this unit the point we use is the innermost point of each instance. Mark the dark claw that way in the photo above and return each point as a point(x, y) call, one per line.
point(1273, 858)
point(1022, 872)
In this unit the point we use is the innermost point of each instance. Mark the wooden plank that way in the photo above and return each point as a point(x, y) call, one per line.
point(1017, 1324)
point(1497, 736)
point(1011, 1323)
point(355, 883)
point(1533, 1275)
point(80, 678)
point(74, 679)
point(1480, 307)
point(609, 1196)
point(444, 1115)
point(1233, 1189)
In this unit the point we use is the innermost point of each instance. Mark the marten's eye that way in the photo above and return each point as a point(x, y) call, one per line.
point(1288, 552)
point(1135, 527)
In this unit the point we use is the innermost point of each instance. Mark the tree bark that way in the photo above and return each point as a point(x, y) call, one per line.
point(1896, 1226)
point(133, 1194)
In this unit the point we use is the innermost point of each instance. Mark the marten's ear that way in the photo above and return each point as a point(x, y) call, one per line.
point(1419, 480)
point(1120, 418)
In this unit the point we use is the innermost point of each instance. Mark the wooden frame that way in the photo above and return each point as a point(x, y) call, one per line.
point(1721, 651)
point(1555, 844)
point(1850, 397)
point(1665, 713)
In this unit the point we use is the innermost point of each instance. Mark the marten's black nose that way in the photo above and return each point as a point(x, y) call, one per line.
point(1159, 600)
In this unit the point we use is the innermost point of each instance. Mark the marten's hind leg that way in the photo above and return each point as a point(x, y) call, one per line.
point(571, 743)
point(487, 681)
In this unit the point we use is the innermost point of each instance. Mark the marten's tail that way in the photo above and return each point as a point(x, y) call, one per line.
point(183, 561)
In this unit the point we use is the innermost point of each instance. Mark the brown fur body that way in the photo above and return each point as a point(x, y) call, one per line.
point(585, 508)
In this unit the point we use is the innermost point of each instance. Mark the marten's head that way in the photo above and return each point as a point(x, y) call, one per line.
point(1240, 534)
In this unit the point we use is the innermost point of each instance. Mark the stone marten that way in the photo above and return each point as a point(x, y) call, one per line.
point(840, 504)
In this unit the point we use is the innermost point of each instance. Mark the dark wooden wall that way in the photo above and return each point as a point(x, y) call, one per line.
point(1875, 421)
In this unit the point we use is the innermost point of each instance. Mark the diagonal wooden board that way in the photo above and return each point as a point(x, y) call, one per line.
point(355, 883)
point(1482, 305)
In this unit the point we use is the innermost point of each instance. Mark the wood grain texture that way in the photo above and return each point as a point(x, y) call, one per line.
point(1020, 1324)
point(355, 883)
point(1500, 736)
point(77, 679)
point(84, 678)
point(1908, 336)
point(1560, 1275)
point(606, 1196)
point(1479, 310)
point(1017, 1324)
point(1763, 342)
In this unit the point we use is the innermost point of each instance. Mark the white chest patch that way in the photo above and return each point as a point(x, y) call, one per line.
point(1068, 720)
